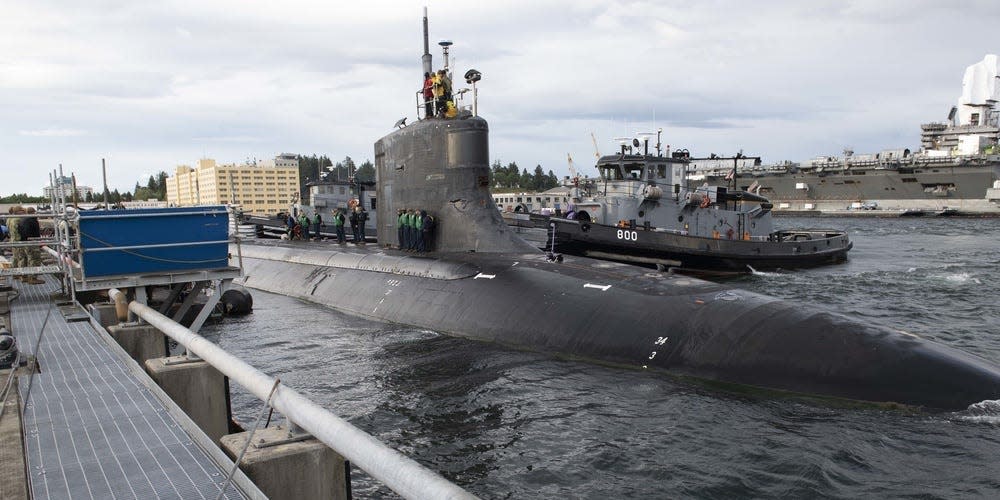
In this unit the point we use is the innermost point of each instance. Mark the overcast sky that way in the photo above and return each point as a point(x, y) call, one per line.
point(150, 85)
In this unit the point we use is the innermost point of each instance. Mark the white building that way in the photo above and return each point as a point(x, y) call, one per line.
point(553, 201)
point(64, 188)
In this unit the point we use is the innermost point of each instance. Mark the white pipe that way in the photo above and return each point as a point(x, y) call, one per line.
point(397, 471)
point(121, 303)
point(69, 261)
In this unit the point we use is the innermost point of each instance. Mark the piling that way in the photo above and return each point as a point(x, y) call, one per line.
point(142, 342)
point(197, 388)
point(285, 467)
point(103, 313)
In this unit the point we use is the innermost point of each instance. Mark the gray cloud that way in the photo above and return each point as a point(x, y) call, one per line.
point(157, 84)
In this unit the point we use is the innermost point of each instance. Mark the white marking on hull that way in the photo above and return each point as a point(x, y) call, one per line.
point(603, 288)
point(487, 276)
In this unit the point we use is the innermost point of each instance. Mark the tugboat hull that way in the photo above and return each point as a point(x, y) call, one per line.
point(784, 249)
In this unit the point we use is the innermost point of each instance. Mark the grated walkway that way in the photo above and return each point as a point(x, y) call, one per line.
point(92, 430)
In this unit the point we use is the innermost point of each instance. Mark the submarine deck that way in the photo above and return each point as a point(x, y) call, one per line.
point(91, 427)
point(453, 265)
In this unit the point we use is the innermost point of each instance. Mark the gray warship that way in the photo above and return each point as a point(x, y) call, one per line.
point(642, 209)
point(481, 281)
point(956, 170)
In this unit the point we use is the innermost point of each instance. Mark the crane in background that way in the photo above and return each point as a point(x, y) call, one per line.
point(597, 152)
point(572, 168)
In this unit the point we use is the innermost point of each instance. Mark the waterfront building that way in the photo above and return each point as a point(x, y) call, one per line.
point(64, 188)
point(151, 203)
point(263, 187)
point(553, 201)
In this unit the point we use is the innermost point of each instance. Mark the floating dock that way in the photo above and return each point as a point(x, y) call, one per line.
point(94, 425)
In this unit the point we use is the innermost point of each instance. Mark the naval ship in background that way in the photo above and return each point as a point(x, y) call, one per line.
point(955, 171)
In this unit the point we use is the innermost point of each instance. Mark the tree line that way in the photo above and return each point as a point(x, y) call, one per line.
point(512, 177)
point(318, 168)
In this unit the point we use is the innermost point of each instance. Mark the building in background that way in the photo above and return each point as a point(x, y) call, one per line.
point(263, 187)
point(153, 203)
point(64, 187)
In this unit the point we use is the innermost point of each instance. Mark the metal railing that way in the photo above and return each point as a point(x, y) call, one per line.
point(400, 473)
point(55, 244)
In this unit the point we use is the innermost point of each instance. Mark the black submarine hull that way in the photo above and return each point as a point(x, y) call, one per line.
point(623, 315)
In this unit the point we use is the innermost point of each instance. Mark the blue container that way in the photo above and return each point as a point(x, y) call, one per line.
point(153, 240)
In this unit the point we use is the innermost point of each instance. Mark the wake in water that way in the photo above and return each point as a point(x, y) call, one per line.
point(755, 272)
point(983, 412)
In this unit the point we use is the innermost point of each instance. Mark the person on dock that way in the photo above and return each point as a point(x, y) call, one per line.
point(290, 226)
point(17, 253)
point(354, 225)
point(362, 222)
point(317, 223)
point(338, 225)
point(28, 229)
point(304, 222)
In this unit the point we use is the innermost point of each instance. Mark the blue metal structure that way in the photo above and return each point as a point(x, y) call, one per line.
point(153, 240)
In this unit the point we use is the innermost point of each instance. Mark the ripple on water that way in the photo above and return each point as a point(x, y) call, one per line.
point(513, 424)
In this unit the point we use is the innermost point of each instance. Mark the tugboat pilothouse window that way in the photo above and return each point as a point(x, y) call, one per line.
point(610, 172)
point(634, 170)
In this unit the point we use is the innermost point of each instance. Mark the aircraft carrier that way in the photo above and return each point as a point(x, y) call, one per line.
point(956, 170)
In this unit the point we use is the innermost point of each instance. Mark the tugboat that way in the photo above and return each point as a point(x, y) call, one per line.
point(643, 210)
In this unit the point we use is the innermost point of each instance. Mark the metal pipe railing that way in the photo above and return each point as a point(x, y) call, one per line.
point(397, 471)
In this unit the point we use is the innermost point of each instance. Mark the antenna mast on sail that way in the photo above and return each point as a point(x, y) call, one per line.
point(426, 58)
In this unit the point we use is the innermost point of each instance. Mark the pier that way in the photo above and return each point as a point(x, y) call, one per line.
point(94, 405)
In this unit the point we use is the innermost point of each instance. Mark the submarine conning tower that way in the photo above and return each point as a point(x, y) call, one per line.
point(441, 165)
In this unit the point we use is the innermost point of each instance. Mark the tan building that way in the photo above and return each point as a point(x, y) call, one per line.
point(264, 188)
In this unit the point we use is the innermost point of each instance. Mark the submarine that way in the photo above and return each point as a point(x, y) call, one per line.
point(482, 281)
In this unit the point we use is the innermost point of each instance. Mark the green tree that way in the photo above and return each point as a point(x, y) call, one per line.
point(526, 180)
point(552, 181)
point(23, 198)
point(538, 179)
point(161, 185)
point(366, 172)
